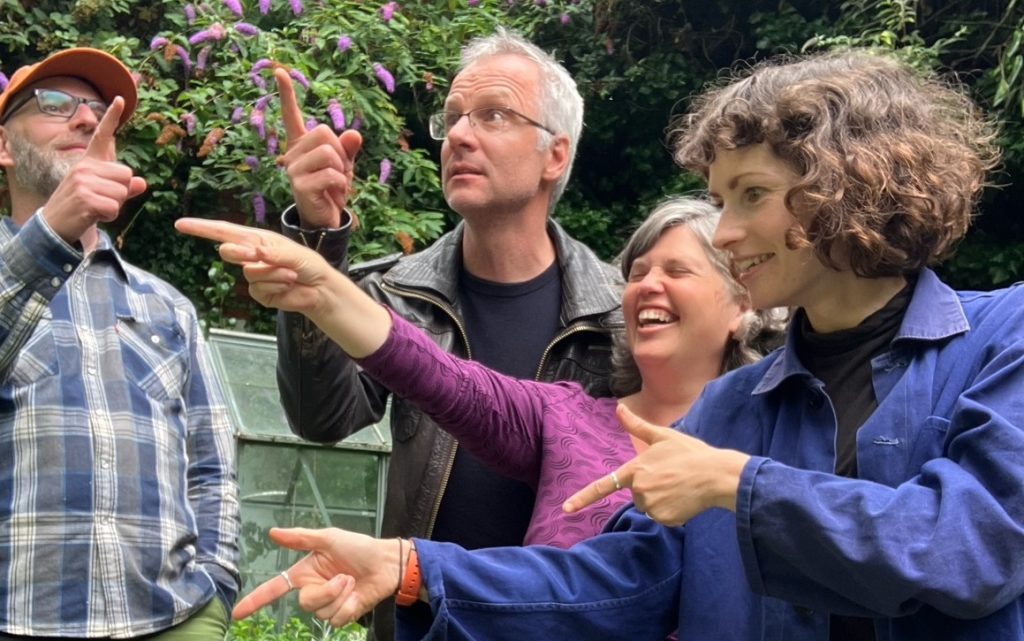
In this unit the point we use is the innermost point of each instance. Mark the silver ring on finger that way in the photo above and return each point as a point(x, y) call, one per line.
point(288, 580)
point(615, 481)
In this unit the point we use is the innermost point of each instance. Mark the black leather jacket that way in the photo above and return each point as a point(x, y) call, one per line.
point(326, 397)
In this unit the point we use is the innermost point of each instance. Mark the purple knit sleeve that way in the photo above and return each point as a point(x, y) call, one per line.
point(499, 418)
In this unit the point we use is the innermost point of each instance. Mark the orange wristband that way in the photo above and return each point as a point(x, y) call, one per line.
point(409, 589)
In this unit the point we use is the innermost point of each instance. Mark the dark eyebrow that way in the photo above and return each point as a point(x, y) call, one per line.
point(736, 179)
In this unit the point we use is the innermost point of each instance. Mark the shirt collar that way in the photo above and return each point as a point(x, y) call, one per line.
point(934, 314)
point(104, 246)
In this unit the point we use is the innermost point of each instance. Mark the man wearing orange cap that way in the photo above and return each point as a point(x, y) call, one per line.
point(118, 497)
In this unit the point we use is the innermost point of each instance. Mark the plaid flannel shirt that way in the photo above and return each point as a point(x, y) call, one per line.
point(118, 494)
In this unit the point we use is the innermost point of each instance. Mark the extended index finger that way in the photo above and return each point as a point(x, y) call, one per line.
point(102, 146)
point(262, 595)
point(219, 231)
point(602, 487)
point(294, 126)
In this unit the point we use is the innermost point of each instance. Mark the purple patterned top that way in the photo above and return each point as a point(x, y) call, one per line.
point(552, 436)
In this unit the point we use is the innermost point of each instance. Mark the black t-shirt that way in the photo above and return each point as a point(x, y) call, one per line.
point(509, 327)
point(842, 361)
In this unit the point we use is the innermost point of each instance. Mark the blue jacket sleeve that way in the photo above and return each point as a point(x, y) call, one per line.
point(624, 579)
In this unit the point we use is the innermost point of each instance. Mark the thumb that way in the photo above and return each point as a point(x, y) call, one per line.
point(351, 141)
point(136, 187)
point(641, 429)
point(101, 146)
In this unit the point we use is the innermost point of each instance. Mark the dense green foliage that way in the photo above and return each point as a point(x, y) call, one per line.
point(637, 64)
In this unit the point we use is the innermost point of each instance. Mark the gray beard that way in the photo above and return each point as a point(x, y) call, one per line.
point(38, 170)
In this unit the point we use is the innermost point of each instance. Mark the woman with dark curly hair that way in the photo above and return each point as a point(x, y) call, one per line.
point(863, 482)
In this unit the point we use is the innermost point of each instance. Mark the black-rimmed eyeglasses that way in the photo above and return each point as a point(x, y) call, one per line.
point(57, 104)
point(490, 119)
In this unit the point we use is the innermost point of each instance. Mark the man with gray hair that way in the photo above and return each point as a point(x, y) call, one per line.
point(507, 287)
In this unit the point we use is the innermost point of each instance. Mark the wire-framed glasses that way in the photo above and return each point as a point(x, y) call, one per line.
point(489, 119)
point(57, 104)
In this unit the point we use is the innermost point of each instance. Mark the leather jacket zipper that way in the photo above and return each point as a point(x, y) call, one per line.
point(568, 331)
point(447, 309)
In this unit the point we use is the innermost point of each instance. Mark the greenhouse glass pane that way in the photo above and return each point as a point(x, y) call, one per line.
point(300, 486)
point(247, 371)
point(246, 366)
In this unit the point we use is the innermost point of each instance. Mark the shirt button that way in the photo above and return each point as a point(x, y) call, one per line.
point(55, 281)
point(154, 339)
point(68, 267)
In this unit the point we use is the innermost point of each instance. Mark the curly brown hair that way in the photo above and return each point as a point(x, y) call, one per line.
point(891, 160)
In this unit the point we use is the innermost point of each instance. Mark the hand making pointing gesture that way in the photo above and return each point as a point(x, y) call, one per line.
point(674, 479)
point(318, 162)
point(344, 575)
point(96, 186)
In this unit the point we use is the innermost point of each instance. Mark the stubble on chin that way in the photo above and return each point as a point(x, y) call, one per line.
point(40, 170)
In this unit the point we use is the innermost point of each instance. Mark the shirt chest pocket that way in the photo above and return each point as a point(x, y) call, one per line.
point(37, 358)
point(154, 352)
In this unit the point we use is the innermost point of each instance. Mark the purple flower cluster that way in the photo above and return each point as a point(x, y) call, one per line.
point(565, 19)
point(385, 171)
point(262, 102)
point(186, 62)
point(256, 120)
point(355, 124)
point(384, 76)
point(189, 120)
point(246, 29)
point(387, 11)
point(272, 144)
point(259, 208)
point(296, 6)
point(4, 80)
point(299, 78)
point(336, 114)
point(215, 32)
point(472, 3)
point(311, 124)
point(235, 7)
point(157, 43)
point(204, 53)
point(344, 42)
point(190, 14)
point(253, 162)
point(264, 7)
point(236, 115)
point(254, 73)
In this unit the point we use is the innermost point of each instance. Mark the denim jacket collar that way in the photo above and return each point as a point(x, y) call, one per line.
point(934, 314)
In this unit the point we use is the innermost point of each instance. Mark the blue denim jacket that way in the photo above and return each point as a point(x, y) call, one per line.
point(929, 540)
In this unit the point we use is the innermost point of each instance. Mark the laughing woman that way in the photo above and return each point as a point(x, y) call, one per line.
point(687, 321)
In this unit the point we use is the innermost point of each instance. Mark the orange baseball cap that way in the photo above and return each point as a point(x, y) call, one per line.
point(100, 69)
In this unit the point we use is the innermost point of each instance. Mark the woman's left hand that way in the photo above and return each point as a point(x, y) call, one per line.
point(676, 478)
